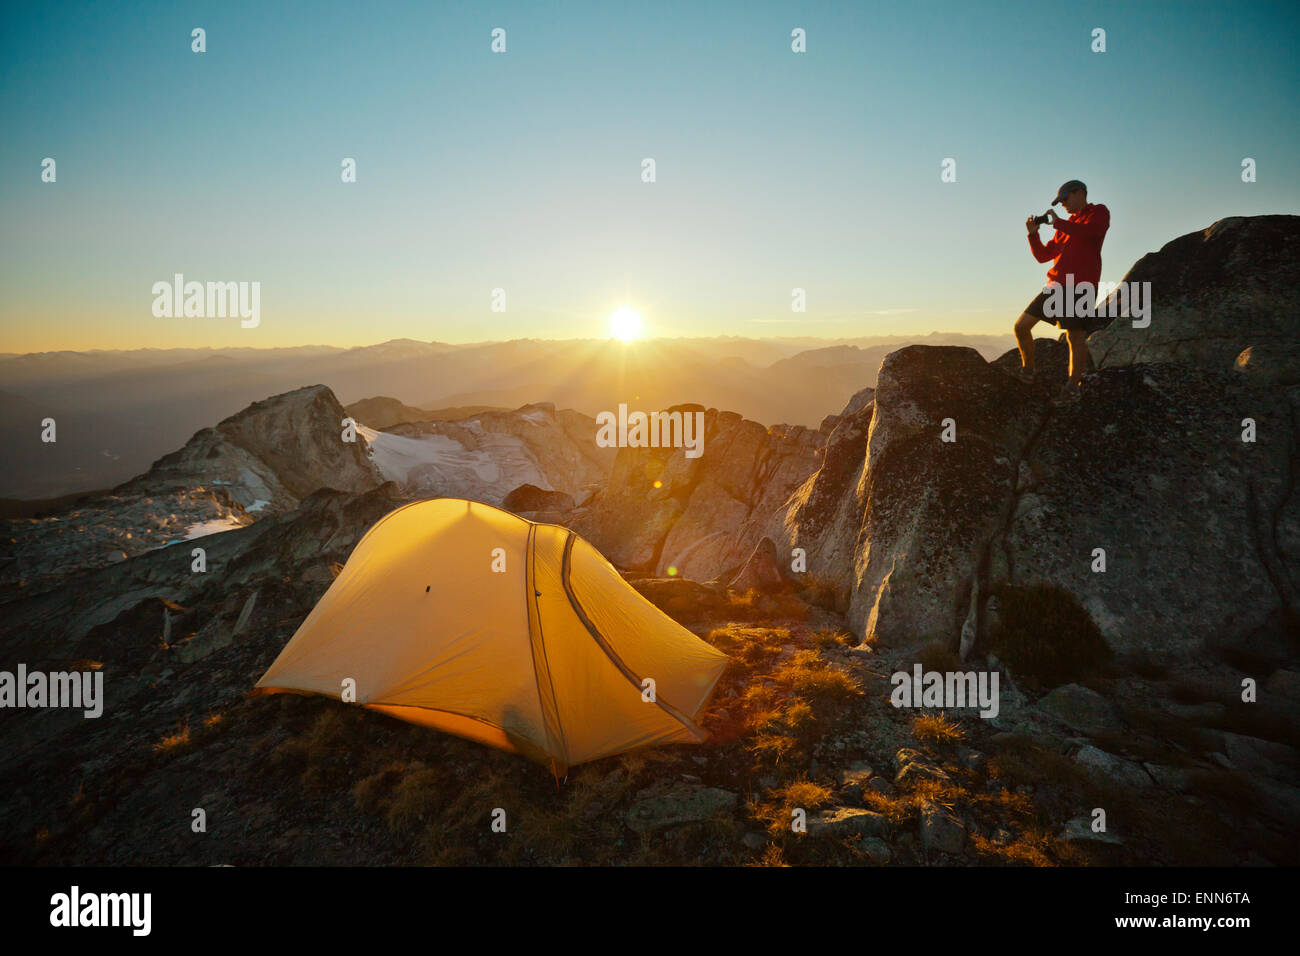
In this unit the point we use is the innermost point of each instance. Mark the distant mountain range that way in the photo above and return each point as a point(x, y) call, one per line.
point(117, 411)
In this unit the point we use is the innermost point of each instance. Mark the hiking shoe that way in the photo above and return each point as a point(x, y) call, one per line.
point(1027, 375)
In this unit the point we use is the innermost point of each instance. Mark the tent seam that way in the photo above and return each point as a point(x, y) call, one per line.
point(676, 713)
point(530, 582)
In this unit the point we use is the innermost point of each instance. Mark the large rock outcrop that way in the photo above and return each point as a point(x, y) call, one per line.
point(262, 461)
point(1200, 529)
point(822, 515)
point(701, 517)
point(269, 456)
point(1214, 293)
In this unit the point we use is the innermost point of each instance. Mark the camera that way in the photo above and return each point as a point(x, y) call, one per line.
point(1043, 219)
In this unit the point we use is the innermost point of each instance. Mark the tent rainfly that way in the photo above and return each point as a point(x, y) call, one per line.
point(472, 620)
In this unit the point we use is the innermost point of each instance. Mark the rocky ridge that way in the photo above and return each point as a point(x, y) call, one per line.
point(259, 462)
point(700, 517)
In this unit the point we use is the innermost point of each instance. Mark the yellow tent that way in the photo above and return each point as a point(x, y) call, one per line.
point(460, 616)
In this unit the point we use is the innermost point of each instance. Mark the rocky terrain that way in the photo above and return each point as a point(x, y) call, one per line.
point(800, 723)
point(699, 516)
point(262, 461)
point(1126, 564)
point(270, 455)
point(265, 459)
point(1197, 527)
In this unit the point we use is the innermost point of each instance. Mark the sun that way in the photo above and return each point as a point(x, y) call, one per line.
point(625, 325)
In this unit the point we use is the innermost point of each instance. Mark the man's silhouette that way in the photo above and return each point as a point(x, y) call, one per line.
point(1074, 251)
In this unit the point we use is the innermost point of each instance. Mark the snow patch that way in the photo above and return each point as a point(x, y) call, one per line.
point(437, 464)
point(212, 526)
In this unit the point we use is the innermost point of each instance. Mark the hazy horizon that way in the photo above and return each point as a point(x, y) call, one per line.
point(793, 341)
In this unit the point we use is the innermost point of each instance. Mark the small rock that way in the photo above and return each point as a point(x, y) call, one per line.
point(877, 850)
point(845, 821)
point(1258, 756)
point(1081, 709)
point(941, 830)
point(1115, 768)
point(686, 805)
point(857, 774)
point(914, 766)
point(1014, 713)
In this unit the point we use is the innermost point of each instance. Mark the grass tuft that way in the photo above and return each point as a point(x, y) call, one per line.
point(938, 730)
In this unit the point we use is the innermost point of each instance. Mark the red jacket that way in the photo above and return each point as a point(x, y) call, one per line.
point(1076, 247)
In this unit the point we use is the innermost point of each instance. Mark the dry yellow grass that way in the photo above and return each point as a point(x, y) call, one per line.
point(827, 637)
point(800, 794)
point(772, 856)
point(174, 742)
point(805, 794)
point(809, 674)
point(937, 729)
point(1032, 847)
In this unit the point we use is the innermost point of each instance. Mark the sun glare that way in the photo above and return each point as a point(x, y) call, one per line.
point(625, 325)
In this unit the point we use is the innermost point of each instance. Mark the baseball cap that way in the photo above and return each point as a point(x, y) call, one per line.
point(1068, 188)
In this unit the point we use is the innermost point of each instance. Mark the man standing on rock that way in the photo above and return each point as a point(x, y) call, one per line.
point(1075, 254)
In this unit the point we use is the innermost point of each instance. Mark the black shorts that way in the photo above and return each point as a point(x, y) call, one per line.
point(1035, 308)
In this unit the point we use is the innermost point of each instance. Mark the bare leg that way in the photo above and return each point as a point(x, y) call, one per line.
point(1079, 359)
point(1025, 338)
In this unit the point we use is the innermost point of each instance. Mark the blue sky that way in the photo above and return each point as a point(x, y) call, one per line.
point(522, 170)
